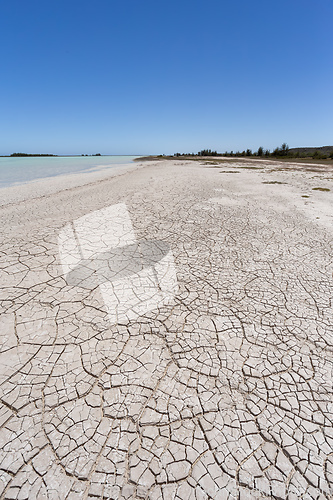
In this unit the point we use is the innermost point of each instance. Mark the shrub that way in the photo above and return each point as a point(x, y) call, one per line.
point(260, 151)
point(207, 152)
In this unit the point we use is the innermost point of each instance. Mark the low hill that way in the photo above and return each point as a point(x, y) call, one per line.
point(323, 150)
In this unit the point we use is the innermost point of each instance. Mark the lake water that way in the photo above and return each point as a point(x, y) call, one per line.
point(21, 170)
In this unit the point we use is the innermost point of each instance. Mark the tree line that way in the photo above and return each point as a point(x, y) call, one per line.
point(282, 151)
point(28, 154)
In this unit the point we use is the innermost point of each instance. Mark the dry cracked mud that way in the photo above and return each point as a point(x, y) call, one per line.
point(224, 392)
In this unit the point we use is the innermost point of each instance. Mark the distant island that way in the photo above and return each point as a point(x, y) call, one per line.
point(33, 154)
point(24, 155)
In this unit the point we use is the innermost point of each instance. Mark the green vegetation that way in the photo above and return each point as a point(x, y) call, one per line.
point(282, 152)
point(203, 152)
point(27, 154)
point(207, 152)
point(321, 153)
point(24, 155)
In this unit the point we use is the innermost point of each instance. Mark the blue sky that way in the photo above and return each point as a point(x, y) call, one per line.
point(150, 77)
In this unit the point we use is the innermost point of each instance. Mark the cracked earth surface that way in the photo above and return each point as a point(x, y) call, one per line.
point(224, 393)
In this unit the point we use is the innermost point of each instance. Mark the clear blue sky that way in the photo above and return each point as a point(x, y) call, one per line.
point(156, 76)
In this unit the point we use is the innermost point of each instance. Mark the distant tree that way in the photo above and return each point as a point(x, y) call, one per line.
point(331, 155)
point(207, 152)
point(31, 154)
point(267, 152)
point(284, 149)
point(319, 156)
point(248, 152)
point(260, 151)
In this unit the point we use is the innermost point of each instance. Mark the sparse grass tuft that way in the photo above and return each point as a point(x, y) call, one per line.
point(274, 182)
point(320, 189)
point(229, 172)
point(251, 168)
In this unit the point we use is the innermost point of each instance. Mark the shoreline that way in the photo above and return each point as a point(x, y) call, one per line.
point(308, 199)
point(45, 186)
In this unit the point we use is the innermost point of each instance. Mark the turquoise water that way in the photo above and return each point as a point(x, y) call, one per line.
point(22, 170)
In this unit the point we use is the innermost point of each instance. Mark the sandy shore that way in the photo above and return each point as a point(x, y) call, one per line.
point(52, 185)
point(197, 365)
